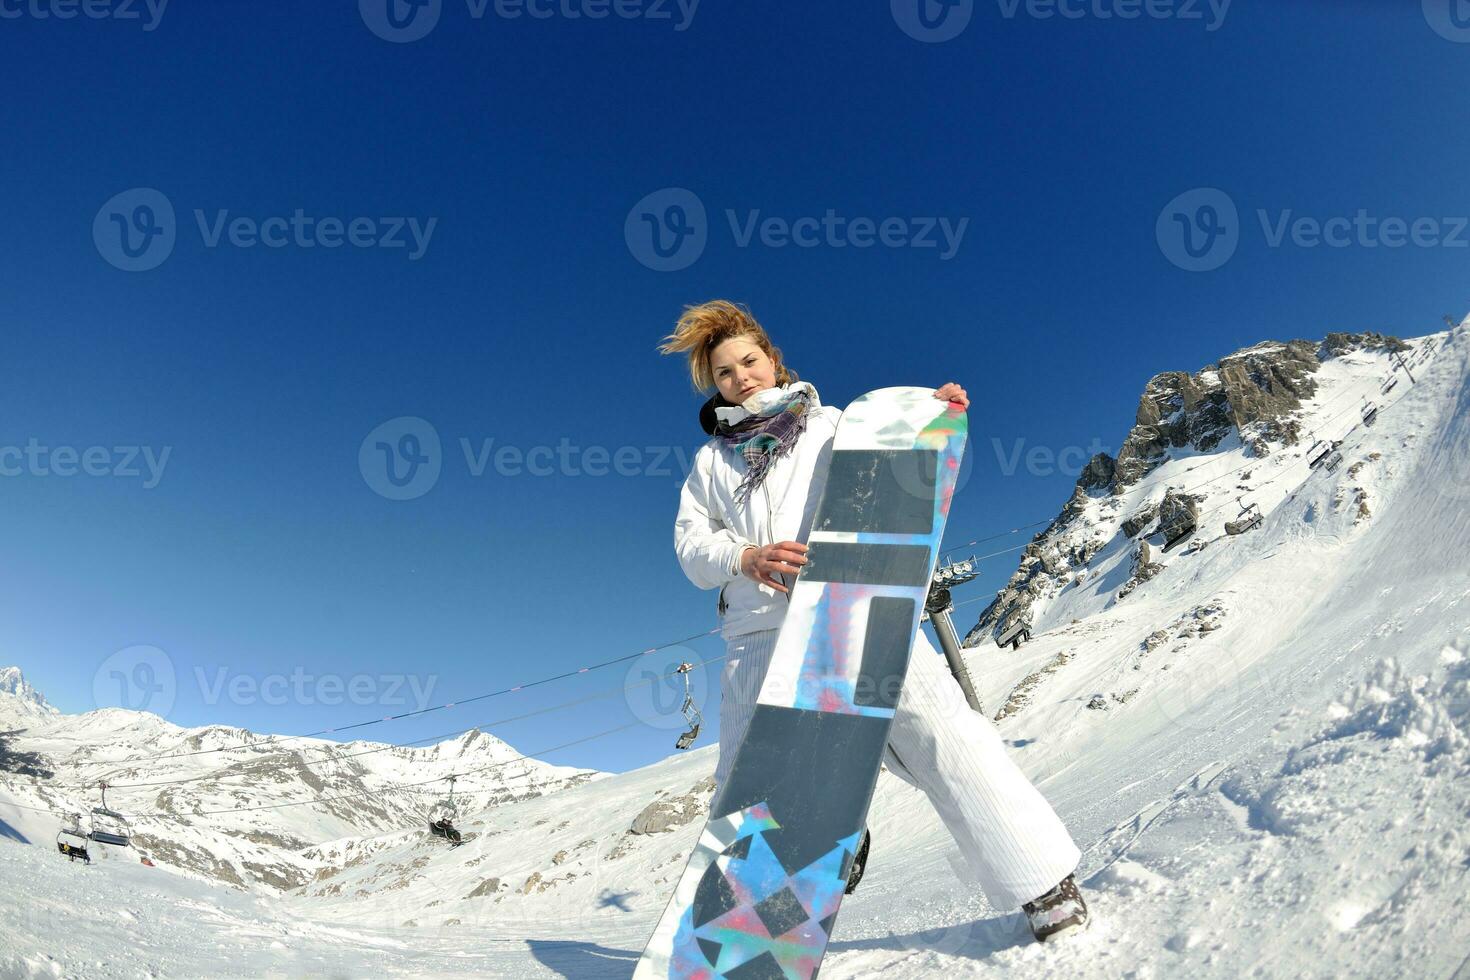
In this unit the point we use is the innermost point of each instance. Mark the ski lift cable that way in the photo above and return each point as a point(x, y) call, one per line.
point(281, 740)
point(557, 677)
point(273, 740)
point(337, 756)
point(568, 674)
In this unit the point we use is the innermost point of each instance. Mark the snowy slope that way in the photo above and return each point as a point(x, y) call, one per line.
point(1272, 780)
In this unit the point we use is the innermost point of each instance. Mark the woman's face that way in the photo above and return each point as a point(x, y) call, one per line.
point(741, 369)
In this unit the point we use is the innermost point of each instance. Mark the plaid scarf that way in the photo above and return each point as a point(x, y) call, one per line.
point(765, 428)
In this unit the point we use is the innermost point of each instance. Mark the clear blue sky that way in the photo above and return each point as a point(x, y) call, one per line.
point(532, 314)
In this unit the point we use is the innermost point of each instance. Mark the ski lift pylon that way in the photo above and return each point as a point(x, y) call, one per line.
point(688, 710)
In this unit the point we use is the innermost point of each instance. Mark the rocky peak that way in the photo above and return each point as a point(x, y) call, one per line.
point(13, 683)
point(1255, 394)
point(1260, 386)
point(1338, 344)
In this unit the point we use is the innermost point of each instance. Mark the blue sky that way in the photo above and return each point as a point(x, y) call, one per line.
point(531, 153)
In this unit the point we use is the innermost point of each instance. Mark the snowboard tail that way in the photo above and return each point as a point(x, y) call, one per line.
point(759, 898)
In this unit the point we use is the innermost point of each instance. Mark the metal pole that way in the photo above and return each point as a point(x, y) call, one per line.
point(950, 641)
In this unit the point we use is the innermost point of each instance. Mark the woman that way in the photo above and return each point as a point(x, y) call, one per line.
point(745, 510)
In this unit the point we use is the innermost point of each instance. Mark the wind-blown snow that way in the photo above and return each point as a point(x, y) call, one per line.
point(1272, 782)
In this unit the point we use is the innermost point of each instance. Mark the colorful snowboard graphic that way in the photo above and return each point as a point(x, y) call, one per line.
point(760, 894)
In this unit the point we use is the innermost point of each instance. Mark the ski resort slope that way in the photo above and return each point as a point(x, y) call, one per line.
point(1263, 752)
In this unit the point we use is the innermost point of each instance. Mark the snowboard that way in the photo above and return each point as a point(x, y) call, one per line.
point(759, 897)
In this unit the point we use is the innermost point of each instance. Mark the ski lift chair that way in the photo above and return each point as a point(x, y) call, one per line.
point(1249, 519)
point(1389, 385)
point(1370, 414)
point(442, 816)
point(1177, 533)
point(109, 826)
point(71, 841)
point(689, 711)
point(1318, 454)
point(1013, 636)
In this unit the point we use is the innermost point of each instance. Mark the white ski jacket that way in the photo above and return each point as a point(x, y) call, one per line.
point(712, 530)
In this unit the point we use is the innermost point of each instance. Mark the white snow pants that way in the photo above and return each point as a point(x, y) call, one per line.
point(1009, 835)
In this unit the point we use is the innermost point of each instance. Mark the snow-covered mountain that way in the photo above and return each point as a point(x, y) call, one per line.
point(1261, 742)
point(256, 811)
point(18, 699)
point(1209, 453)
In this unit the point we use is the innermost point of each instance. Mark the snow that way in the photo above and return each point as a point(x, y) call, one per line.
point(1275, 786)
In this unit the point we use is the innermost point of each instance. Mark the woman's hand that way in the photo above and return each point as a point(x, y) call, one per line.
point(763, 564)
point(952, 392)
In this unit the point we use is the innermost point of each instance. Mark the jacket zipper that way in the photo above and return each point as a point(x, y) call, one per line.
point(771, 528)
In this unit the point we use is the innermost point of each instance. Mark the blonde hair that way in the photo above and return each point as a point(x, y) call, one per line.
point(704, 327)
